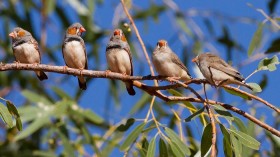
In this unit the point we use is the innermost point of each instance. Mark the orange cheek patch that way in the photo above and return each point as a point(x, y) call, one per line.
point(71, 31)
point(123, 38)
point(21, 33)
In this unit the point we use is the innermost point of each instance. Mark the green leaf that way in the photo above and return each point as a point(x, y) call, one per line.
point(256, 40)
point(60, 108)
point(19, 123)
point(50, 5)
point(61, 93)
point(268, 63)
point(68, 148)
point(197, 113)
point(186, 103)
point(27, 113)
point(6, 116)
point(175, 138)
point(274, 47)
point(182, 23)
point(246, 140)
point(223, 112)
point(206, 140)
point(230, 91)
point(127, 125)
point(132, 137)
point(255, 86)
point(226, 141)
point(176, 150)
point(152, 148)
point(237, 146)
point(163, 151)
point(93, 117)
point(32, 127)
point(240, 124)
point(145, 145)
point(44, 153)
point(12, 109)
point(35, 98)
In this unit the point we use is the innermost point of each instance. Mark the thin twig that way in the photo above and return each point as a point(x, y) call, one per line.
point(212, 121)
point(139, 37)
point(254, 97)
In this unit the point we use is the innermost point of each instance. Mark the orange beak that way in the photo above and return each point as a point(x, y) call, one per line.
point(194, 59)
point(12, 35)
point(82, 29)
point(117, 32)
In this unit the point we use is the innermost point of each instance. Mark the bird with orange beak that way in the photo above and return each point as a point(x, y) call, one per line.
point(168, 64)
point(26, 50)
point(119, 57)
point(74, 51)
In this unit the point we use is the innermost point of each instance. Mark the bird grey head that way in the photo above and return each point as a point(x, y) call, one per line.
point(118, 34)
point(19, 33)
point(75, 29)
point(196, 59)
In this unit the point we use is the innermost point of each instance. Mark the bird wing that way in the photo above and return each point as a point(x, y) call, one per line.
point(175, 59)
point(36, 46)
point(126, 47)
point(219, 64)
point(85, 52)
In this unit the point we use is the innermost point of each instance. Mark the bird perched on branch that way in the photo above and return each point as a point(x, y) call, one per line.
point(217, 71)
point(74, 51)
point(119, 57)
point(26, 50)
point(167, 63)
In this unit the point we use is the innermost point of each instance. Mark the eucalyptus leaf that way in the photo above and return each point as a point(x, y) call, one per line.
point(175, 138)
point(35, 98)
point(246, 140)
point(206, 140)
point(5, 115)
point(132, 137)
point(127, 125)
point(256, 40)
point(195, 114)
point(268, 63)
point(163, 151)
point(32, 127)
point(233, 92)
point(152, 148)
point(237, 146)
point(255, 86)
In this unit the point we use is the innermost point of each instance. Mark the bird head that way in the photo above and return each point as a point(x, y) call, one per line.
point(76, 29)
point(19, 33)
point(162, 44)
point(118, 33)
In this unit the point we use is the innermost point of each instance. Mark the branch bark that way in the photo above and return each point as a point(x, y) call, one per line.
point(152, 90)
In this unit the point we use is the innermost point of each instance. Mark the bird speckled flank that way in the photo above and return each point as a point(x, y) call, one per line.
point(119, 57)
point(217, 71)
point(74, 51)
point(167, 63)
point(26, 50)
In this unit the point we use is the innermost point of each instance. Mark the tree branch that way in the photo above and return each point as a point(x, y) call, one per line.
point(152, 90)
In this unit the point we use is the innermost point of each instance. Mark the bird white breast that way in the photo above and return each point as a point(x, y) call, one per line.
point(165, 67)
point(26, 53)
point(118, 61)
point(74, 55)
